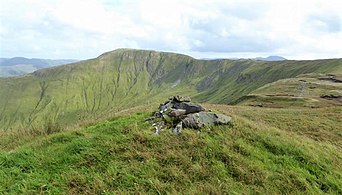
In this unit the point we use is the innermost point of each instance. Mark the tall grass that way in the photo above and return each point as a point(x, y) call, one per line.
point(252, 155)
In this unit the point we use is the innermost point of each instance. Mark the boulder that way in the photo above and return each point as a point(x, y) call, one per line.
point(188, 107)
point(222, 119)
point(201, 119)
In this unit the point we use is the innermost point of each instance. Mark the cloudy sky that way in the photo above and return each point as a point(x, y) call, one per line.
point(82, 29)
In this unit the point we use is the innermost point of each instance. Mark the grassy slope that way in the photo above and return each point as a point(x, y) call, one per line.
point(83, 90)
point(234, 85)
point(124, 78)
point(264, 151)
point(303, 91)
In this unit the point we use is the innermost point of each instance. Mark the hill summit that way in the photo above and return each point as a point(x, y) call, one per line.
point(126, 78)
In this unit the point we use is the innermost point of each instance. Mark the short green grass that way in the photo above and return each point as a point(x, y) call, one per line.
point(254, 154)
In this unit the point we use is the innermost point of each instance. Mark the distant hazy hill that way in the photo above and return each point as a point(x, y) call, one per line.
point(271, 58)
point(125, 78)
point(20, 65)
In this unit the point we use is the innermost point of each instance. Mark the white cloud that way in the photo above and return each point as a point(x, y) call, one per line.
point(86, 28)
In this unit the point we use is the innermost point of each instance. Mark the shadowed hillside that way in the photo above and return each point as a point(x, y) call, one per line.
point(124, 78)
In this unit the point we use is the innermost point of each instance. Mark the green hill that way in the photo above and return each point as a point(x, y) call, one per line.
point(123, 78)
point(80, 128)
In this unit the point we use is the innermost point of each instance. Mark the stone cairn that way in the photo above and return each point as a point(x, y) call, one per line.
point(179, 112)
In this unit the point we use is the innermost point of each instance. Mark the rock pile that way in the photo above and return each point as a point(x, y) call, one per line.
point(179, 112)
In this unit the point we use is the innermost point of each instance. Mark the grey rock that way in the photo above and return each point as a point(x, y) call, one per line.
point(178, 128)
point(201, 119)
point(164, 107)
point(177, 112)
point(158, 126)
point(222, 119)
point(188, 107)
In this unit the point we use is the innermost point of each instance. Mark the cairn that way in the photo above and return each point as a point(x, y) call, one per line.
point(179, 112)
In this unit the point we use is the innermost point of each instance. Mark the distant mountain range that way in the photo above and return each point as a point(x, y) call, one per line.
point(20, 65)
point(271, 58)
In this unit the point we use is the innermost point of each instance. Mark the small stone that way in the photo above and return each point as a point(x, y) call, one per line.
point(177, 112)
point(178, 128)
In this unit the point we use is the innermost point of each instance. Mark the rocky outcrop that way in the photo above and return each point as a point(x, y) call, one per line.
point(179, 112)
point(331, 78)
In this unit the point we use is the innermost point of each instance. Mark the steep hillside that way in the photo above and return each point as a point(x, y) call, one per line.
point(123, 78)
point(264, 151)
point(238, 84)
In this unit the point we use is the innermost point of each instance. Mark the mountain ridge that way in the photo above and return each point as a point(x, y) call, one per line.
point(125, 77)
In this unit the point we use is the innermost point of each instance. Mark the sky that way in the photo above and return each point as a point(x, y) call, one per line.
point(83, 29)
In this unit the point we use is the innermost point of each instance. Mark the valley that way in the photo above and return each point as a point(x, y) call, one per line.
point(16, 66)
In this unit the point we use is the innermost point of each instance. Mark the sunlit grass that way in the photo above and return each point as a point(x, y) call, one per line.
point(255, 154)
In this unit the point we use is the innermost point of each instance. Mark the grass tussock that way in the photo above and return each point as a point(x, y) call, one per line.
point(123, 156)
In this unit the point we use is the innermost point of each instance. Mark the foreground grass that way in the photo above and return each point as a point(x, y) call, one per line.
point(121, 155)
